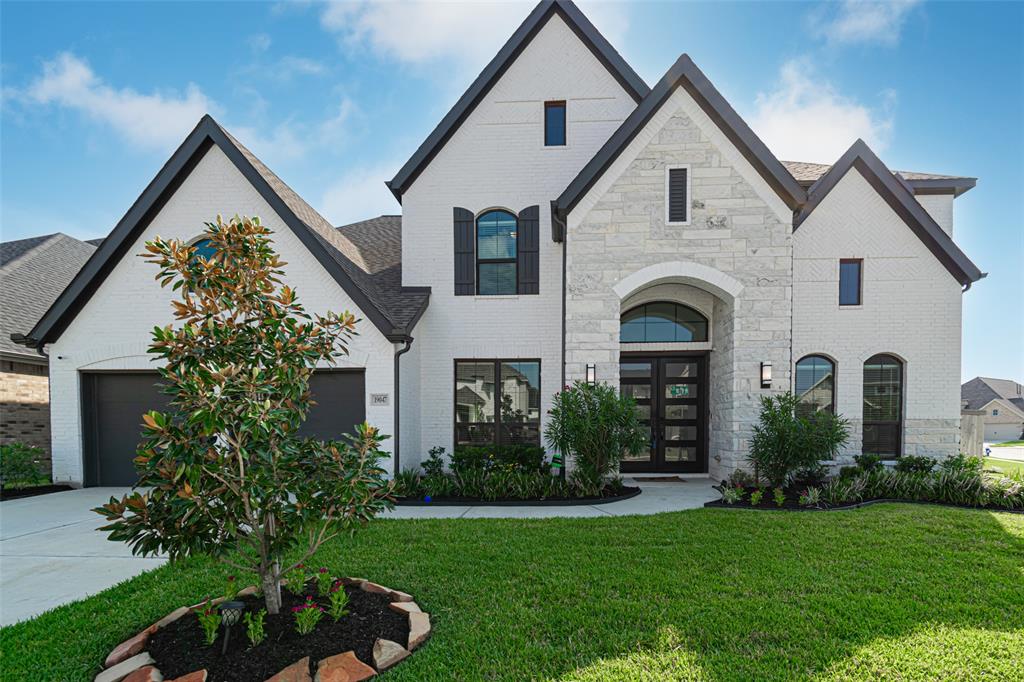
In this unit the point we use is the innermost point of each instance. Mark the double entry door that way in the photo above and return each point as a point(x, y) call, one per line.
point(671, 399)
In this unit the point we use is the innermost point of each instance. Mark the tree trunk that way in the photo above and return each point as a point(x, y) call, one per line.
point(271, 589)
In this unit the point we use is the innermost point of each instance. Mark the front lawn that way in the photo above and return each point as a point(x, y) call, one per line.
point(1009, 444)
point(1006, 466)
point(885, 592)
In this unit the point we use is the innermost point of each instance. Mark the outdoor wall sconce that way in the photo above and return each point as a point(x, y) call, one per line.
point(591, 373)
point(766, 375)
point(230, 613)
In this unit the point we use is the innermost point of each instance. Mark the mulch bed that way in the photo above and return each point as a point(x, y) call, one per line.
point(607, 495)
point(32, 491)
point(180, 647)
point(793, 504)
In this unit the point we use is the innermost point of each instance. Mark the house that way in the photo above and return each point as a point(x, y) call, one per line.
point(564, 221)
point(1002, 401)
point(33, 273)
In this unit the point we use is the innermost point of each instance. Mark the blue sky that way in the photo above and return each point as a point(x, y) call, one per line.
point(335, 97)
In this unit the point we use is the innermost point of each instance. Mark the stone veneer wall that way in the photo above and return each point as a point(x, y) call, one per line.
point(732, 229)
point(25, 406)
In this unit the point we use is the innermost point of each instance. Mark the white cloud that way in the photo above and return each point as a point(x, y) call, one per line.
point(862, 21)
point(416, 31)
point(290, 66)
point(806, 119)
point(157, 120)
point(360, 194)
point(337, 127)
point(259, 42)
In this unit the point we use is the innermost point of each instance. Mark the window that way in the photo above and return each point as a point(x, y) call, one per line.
point(815, 384)
point(554, 124)
point(663, 322)
point(850, 281)
point(496, 233)
point(497, 402)
point(677, 193)
point(995, 413)
point(883, 405)
point(204, 249)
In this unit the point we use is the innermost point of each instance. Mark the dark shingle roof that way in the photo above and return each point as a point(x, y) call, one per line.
point(33, 272)
point(980, 391)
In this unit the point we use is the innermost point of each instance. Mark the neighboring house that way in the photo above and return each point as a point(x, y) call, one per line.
point(1002, 400)
point(33, 273)
point(565, 221)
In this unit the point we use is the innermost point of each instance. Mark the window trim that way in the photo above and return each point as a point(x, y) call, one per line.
point(689, 193)
point(550, 104)
point(900, 416)
point(835, 376)
point(488, 261)
point(860, 283)
point(496, 362)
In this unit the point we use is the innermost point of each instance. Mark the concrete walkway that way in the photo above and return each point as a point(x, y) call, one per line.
point(52, 554)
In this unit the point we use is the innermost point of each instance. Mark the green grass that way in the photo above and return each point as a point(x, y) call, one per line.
point(1009, 444)
point(1006, 466)
point(907, 592)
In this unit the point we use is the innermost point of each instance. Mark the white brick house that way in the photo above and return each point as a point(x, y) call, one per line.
point(565, 221)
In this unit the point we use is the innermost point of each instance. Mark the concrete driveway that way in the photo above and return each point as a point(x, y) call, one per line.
point(51, 552)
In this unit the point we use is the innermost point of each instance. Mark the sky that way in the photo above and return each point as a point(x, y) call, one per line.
point(336, 96)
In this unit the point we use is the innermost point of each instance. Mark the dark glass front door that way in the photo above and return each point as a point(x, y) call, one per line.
point(670, 394)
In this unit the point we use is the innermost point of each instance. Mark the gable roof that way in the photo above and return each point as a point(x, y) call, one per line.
point(899, 195)
point(980, 391)
point(510, 51)
point(33, 272)
point(807, 174)
point(336, 253)
point(684, 73)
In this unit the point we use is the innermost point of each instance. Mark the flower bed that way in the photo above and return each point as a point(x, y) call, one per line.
point(380, 628)
point(608, 494)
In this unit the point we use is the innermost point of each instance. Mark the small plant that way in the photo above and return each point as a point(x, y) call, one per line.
point(849, 471)
point(209, 619)
point(434, 464)
point(815, 475)
point(779, 495)
point(910, 464)
point(254, 626)
point(755, 497)
point(21, 465)
point(297, 579)
point(307, 615)
point(732, 494)
point(961, 463)
point(323, 581)
point(868, 462)
point(230, 588)
point(339, 601)
point(810, 497)
point(741, 478)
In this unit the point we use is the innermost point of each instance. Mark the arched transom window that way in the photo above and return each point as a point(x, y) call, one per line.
point(663, 322)
point(816, 384)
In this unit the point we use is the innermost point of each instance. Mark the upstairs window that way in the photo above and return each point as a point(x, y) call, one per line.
point(554, 124)
point(850, 285)
point(204, 249)
point(496, 249)
point(677, 194)
point(995, 413)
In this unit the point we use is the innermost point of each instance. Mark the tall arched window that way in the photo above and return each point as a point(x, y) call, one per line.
point(816, 384)
point(663, 322)
point(204, 249)
point(496, 234)
point(883, 405)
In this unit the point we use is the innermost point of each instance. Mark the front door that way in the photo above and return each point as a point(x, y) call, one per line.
point(671, 397)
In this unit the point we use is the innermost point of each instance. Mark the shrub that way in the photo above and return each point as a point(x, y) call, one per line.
point(517, 456)
point(224, 472)
point(433, 465)
point(732, 494)
point(812, 476)
point(811, 497)
point(741, 478)
point(407, 483)
point(593, 425)
point(962, 462)
point(779, 495)
point(254, 626)
point(755, 497)
point(911, 464)
point(785, 441)
point(296, 580)
point(22, 465)
point(850, 471)
point(868, 461)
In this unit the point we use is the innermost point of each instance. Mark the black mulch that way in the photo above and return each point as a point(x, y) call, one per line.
point(607, 495)
point(32, 491)
point(792, 503)
point(180, 648)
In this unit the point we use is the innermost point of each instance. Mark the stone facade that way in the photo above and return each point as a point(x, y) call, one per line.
point(25, 405)
point(733, 230)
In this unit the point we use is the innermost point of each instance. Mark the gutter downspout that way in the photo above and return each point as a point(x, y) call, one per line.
point(565, 259)
point(398, 415)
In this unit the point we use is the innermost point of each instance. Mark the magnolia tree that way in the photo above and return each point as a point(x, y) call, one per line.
point(224, 472)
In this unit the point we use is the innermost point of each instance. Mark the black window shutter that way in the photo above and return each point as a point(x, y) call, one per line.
point(677, 195)
point(528, 250)
point(465, 256)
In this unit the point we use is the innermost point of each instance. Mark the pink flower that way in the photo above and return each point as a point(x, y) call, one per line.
point(323, 570)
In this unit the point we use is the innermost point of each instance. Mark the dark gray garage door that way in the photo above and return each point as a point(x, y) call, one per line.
point(113, 404)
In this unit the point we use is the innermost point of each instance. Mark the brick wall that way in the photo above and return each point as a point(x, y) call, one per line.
point(25, 405)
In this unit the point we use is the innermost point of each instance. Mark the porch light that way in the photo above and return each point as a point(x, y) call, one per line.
point(591, 373)
point(766, 375)
point(230, 613)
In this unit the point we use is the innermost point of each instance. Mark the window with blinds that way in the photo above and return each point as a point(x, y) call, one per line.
point(677, 190)
point(883, 405)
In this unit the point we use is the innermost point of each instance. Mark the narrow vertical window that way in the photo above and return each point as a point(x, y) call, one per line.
point(676, 192)
point(883, 405)
point(554, 124)
point(815, 385)
point(850, 285)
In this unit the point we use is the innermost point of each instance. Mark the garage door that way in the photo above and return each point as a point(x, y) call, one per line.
point(997, 433)
point(113, 405)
